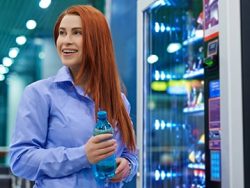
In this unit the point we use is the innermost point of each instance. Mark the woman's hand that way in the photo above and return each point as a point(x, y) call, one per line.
point(122, 170)
point(99, 147)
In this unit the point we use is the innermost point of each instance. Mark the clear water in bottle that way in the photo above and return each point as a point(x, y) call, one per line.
point(104, 169)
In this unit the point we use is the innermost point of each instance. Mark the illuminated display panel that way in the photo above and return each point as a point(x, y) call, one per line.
point(173, 132)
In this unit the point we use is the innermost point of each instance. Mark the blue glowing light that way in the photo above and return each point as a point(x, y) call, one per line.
point(157, 124)
point(157, 75)
point(162, 27)
point(162, 175)
point(157, 175)
point(168, 28)
point(157, 27)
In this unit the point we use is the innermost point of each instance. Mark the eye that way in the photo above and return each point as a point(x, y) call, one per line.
point(61, 32)
point(77, 32)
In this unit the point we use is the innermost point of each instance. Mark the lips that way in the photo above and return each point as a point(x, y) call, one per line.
point(69, 51)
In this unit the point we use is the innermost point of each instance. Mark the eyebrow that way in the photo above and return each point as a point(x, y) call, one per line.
point(74, 28)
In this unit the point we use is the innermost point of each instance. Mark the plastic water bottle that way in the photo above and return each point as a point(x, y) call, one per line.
point(104, 169)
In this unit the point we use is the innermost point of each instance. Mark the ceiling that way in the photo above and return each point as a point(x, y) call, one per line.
point(15, 13)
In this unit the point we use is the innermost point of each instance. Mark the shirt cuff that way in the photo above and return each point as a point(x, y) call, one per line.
point(131, 170)
point(78, 153)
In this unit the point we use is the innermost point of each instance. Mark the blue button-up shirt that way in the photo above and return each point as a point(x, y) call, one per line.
point(54, 121)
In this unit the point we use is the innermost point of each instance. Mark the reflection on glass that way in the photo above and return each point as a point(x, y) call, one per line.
point(174, 95)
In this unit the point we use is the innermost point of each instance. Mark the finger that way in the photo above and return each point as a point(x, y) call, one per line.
point(119, 177)
point(106, 150)
point(103, 156)
point(118, 160)
point(121, 173)
point(115, 180)
point(93, 146)
point(106, 144)
point(101, 137)
point(119, 165)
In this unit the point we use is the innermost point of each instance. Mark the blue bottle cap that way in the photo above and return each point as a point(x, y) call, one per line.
point(102, 115)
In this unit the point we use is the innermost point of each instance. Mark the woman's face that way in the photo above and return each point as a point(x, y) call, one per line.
point(70, 42)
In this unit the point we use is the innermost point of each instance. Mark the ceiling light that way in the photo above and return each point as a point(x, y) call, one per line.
point(44, 3)
point(38, 41)
point(7, 62)
point(31, 24)
point(13, 52)
point(2, 77)
point(3, 69)
point(21, 40)
point(41, 55)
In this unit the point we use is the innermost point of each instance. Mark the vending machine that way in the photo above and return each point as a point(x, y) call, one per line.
point(179, 125)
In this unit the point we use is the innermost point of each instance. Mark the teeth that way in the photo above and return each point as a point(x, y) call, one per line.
point(69, 51)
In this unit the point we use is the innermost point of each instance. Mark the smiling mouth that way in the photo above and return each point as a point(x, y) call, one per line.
point(69, 52)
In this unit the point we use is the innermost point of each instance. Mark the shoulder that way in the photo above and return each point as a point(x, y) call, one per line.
point(126, 102)
point(124, 98)
point(39, 88)
point(41, 84)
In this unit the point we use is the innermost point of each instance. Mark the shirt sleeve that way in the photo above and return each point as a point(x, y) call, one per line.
point(131, 156)
point(29, 157)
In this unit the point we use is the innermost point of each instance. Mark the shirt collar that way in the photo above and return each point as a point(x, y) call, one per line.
point(63, 75)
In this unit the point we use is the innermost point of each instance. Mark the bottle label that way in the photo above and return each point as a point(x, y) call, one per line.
point(98, 131)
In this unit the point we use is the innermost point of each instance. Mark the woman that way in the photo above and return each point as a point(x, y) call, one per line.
point(52, 142)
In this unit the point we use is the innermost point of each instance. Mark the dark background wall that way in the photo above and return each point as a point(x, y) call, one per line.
point(245, 39)
point(123, 28)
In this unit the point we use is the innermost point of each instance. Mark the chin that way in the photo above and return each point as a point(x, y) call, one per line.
point(68, 63)
point(72, 66)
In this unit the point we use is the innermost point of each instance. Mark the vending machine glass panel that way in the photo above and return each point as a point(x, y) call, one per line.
point(173, 132)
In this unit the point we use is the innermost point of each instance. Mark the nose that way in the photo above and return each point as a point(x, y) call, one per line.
point(67, 39)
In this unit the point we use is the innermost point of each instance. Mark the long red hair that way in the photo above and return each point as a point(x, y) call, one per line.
point(99, 67)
